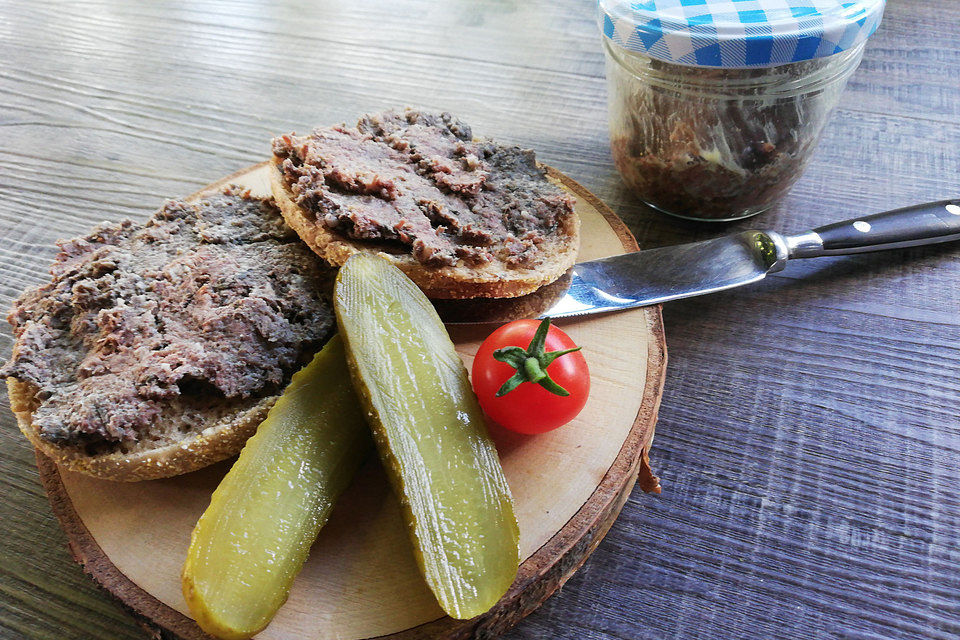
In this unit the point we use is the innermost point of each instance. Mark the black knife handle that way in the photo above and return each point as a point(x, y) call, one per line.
point(907, 227)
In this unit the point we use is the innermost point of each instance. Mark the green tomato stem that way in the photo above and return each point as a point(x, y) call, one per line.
point(532, 368)
point(531, 363)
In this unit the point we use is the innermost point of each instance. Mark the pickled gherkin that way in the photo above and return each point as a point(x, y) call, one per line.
point(430, 434)
point(253, 539)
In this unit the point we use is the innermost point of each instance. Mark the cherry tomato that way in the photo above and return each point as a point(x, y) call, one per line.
point(530, 407)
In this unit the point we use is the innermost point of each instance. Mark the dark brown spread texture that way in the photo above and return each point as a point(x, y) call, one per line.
point(673, 171)
point(420, 182)
point(207, 300)
point(688, 149)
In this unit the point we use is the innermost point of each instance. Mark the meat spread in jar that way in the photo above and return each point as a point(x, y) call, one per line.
point(715, 144)
point(715, 108)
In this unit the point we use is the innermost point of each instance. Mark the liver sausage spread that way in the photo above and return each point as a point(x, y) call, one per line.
point(216, 299)
point(420, 181)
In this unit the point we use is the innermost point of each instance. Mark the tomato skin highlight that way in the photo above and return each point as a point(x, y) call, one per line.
point(530, 408)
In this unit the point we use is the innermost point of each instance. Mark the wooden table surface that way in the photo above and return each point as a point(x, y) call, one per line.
point(809, 438)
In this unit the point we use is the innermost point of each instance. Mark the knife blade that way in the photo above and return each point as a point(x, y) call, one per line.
point(670, 273)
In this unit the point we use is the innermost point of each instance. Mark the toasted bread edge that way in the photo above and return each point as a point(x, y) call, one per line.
point(219, 441)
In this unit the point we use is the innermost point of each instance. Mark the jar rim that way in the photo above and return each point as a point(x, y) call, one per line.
point(781, 81)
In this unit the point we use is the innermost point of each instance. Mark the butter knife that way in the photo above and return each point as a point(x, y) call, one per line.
point(680, 271)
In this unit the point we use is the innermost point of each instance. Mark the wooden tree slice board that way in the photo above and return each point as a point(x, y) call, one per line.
point(361, 580)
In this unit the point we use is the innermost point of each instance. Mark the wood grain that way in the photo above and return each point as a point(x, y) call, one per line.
point(808, 436)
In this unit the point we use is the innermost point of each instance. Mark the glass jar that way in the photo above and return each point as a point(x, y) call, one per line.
point(717, 142)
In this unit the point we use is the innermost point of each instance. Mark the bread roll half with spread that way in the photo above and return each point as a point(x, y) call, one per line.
point(158, 348)
point(462, 217)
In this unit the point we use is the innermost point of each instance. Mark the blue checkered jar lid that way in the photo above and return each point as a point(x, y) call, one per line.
point(738, 33)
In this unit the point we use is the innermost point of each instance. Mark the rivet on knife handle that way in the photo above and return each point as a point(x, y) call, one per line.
point(907, 227)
